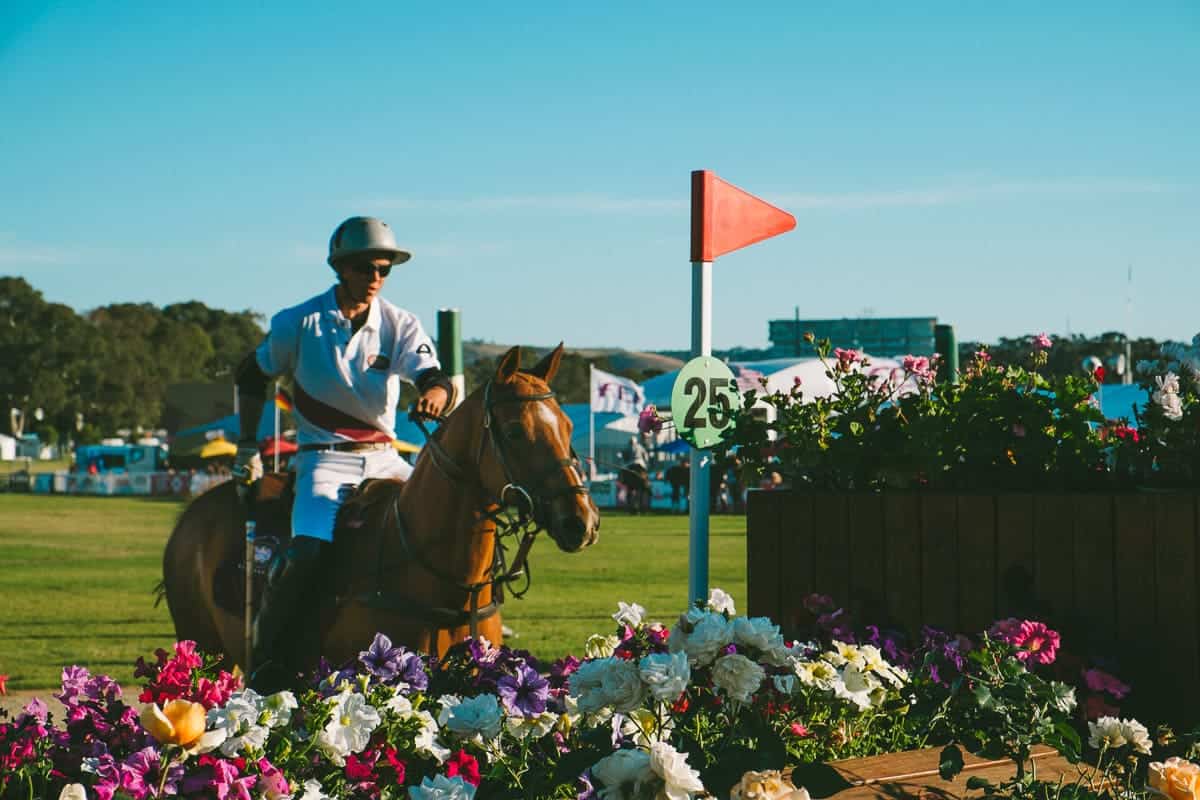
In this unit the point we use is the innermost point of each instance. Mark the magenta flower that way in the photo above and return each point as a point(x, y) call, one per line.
point(1042, 342)
point(1033, 641)
point(649, 421)
point(1100, 681)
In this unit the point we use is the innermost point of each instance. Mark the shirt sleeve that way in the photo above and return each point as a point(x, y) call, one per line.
point(414, 350)
point(277, 353)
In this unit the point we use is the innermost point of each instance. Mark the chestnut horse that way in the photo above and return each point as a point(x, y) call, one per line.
point(425, 569)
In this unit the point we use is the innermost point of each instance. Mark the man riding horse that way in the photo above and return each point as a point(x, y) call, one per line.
point(347, 350)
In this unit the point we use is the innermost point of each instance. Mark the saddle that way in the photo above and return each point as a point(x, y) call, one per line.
point(271, 507)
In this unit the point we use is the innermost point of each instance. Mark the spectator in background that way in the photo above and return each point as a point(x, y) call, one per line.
point(679, 475)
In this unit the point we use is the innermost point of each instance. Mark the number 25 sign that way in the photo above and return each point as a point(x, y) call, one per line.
point(703, 400)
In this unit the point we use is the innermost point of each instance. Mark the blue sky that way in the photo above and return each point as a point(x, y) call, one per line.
point(998, 166)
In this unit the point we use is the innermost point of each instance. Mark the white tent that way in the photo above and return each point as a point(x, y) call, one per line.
point(780, 373)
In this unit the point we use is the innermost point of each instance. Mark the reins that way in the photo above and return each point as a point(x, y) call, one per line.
point(513, 513)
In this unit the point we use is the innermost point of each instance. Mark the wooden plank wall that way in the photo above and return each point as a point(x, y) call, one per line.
point(1117, 574)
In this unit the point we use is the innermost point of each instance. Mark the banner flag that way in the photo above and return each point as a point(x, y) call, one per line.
point(614, 394)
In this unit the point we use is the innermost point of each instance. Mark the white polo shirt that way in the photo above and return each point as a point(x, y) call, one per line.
point(347, 382)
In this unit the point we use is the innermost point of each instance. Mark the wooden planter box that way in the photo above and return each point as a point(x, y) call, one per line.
point(1116, 573)
point(915, 774)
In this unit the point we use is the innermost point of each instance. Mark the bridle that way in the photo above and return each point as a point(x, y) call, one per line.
point(519, 511)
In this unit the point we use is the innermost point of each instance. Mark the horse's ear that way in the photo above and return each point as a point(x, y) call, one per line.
point(548, 366)
point(509, 365)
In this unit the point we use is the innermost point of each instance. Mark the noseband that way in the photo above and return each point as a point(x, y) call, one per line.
point(519, 511)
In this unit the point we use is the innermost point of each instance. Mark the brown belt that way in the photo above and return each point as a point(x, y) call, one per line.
point(346, 447)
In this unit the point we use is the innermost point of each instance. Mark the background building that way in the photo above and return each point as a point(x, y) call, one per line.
point(879, 336)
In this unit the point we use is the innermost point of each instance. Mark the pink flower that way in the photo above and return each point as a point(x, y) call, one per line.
point(919, 367)
point(1100, 681)
point(1035, 642)
point(1042, 342)
point(799, 730)
point(649, 421)
point(846, 358)
point(271, 780)
point(983, 356)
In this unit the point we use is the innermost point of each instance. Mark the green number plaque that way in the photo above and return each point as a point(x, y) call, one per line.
point(703, 400)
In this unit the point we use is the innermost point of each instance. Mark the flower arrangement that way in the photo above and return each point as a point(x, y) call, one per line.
point(713, 705)
point(996, 427)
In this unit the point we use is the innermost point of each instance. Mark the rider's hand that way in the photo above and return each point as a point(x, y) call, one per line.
point(247, 467)
point(433, 402)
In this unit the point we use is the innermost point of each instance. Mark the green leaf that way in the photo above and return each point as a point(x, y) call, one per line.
point(950, 763)
point(976, 782)
point(856, 428)
point(983, 696)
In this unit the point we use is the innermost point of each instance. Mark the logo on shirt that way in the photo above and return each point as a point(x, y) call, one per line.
point(425, 350)
point(379, 362)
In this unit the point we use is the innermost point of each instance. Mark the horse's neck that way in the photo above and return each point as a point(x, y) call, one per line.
point(441, 512)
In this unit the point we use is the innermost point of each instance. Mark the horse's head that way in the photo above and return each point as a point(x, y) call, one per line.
point(531, 456)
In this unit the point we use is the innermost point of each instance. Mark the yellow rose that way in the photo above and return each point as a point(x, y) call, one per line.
point(179, 722)
point(1175, 778)
point(769, 785)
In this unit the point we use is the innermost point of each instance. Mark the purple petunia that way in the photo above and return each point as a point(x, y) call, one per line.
point(382, 659)
point(141, 775)
point(412, 671)
point(525, 692)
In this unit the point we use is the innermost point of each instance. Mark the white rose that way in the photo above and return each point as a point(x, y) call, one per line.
point(757, 632)
point(598, 646)
point(1136, 734)
point(73, 791)
point(622, 685)
point(630, 614)
point(737, 676)
point(665, 674)
point(440, 787)
point(622, 774)
point(586, 685)
point(1106, 732)
point(707, 636)
point(720, 602)
point(784, 684)
point(669, 764)
point(476, 716)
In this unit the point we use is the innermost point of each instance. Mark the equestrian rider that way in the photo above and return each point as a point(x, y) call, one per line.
point(347, 350)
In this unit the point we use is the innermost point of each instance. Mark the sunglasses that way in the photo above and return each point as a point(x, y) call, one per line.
point(367, 268)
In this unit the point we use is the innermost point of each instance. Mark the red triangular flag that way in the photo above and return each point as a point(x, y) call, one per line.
point(725, 218)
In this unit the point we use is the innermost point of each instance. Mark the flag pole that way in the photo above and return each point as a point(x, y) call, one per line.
point(699, 478)
point(591, 422)
point(275, 405)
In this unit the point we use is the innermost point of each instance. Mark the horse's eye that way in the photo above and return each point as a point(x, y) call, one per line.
point(514, 432)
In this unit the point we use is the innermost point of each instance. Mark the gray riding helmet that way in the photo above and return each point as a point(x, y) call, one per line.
point(365, 236)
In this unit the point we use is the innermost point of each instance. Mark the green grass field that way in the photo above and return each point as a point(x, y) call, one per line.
point(76, 576)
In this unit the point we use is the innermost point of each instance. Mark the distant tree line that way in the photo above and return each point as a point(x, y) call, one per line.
point(108, 369)
point(94, 373)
